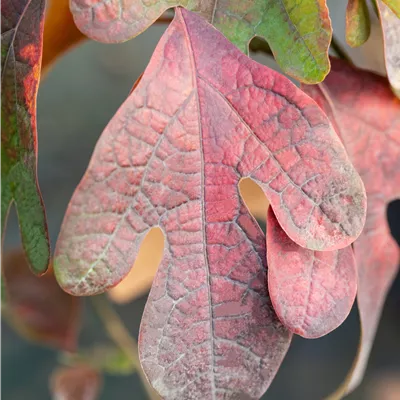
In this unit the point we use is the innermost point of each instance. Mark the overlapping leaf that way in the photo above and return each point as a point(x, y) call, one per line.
point(367, 117)
point(312, 291)
point(37, 307)
point(203, 116)
point(358, 24)
point(298, 32)
point(391, 34)
point(80, 382)
point(21, 52)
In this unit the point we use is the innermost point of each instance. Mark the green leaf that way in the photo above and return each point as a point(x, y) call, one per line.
point(358, 24)
point(21, 53)
point(298, 32)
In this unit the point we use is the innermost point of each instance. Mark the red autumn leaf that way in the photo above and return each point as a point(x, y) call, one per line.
point(37, 307)
point(202, 117)
point(80, 382)
point(312, 291)
point(21, 53)
point(367, 118)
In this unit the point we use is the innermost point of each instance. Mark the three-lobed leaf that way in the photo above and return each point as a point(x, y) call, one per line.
point(312, 292)
point(367, 118)
point(202, 117)
point(298, 32)
point(21, 52)
point(37, 307)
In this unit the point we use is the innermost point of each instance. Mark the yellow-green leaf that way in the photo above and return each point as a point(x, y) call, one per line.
point(358, 24)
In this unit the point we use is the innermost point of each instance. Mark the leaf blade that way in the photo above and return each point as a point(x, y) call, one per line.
point(21, 58)
point(312, 292)
point(167, 159)
point(373, 143)
point(391, 32)
point(299, 33)
point(358, 24)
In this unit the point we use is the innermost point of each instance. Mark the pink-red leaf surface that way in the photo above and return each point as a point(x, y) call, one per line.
point(80, 382)
point(37, 307)
point(298, 32)
point(367, 117)
point(312, 292)
point(21, 53)
point(203, 116)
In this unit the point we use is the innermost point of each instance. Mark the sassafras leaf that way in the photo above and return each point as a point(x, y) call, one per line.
point(21, 53)
point(202, 117)
point(367, 118)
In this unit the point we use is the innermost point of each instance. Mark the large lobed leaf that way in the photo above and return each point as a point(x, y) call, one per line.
point(367, 118)
point(202, 117)
point(298, 32)
point(21, 52)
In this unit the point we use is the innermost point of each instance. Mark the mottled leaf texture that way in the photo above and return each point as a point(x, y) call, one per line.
point(312, 292)
point(80, 382)
point(21, 52)
point(358, 24)
point(298, 32)
point(391, 34)
point(203, 116)
point(367, 117)
point(60, 32)
point(37, 307)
